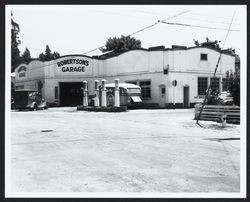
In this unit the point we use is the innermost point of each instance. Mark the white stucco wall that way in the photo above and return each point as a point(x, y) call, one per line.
point(185, 66)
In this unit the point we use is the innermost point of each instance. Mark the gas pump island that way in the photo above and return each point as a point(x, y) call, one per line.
point(100, 98)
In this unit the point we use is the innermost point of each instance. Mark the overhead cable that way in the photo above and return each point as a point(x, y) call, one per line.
point(158, 21)
point(209, 21)
point(147, 27)
point(188, 25)
point(174, 16)
point(198, 14)
point(215, 70)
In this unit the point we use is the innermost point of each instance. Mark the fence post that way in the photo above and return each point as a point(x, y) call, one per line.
point(224, 120)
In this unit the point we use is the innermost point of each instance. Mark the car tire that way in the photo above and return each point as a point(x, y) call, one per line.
point(34, 108)
point(46, 106)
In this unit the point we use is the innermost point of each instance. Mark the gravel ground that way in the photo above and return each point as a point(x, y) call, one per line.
point(163, 151)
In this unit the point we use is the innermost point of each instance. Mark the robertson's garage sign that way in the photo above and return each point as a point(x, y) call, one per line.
point(73, 65)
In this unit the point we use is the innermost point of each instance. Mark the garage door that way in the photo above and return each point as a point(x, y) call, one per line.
point(71, 94)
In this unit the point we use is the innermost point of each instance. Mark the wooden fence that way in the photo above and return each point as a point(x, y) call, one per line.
point(214, 113)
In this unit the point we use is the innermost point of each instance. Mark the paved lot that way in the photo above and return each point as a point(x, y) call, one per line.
point(64, 150)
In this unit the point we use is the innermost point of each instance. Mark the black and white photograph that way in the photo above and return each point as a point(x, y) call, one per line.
point(125, 101)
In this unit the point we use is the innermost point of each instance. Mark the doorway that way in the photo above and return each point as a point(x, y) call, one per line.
point(162, 95)
point(71, 94)
point(186, 103)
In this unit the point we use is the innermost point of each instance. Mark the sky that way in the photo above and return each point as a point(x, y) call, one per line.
point(77, 29)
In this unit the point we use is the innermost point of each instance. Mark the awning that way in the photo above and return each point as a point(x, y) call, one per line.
point(136, 98)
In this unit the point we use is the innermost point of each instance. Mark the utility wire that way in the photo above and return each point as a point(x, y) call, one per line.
point(188, 25)
point(209, 21)
point(174, 16)
point(158, 21)
point(128, 35)
point(197, 14)
point(209, 87)
point(147, 27)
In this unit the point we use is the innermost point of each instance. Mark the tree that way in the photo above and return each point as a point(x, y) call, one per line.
point(55, 55)
point(208, 43)
point(15, 52)
point(26, 57)
point(233, 85)
point(42, 57)
point(122, 44)
point(48, 55)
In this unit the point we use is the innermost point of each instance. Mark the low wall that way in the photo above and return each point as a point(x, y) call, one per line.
point(214, 113)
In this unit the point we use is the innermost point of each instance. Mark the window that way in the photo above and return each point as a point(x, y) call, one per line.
point(134, 90)
point(203, 56)
point(22, 71)
point(202, 85)
point(122, 91)
point(215, 84)
point(163, 90)
point(56, 92)
point(110, 90)
point(145, 89)
point(19, 87)
point(132, 82)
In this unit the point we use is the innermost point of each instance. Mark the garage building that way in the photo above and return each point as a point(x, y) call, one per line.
point(156, 70)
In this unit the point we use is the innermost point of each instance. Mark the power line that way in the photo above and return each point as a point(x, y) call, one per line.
point(197, 14)
point(217, 65)
point(188, 25)
point(174, 16)
point(158, 21)
point(93, 50)
point(128, 35)
point(144, 29)
point(147, 27)
point(210, 21)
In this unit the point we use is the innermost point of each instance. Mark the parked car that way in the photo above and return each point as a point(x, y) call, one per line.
point(29, 99)
point(12, 103)
point(225, 98)
point(129, 94)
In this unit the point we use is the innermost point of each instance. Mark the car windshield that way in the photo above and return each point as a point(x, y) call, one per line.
point(134, 90)
point(32, 94)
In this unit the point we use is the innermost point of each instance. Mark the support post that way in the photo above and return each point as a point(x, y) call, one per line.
point(223, 120)
point(85, 94)
point(96, 103)
point(104, 99)
point(117, 93)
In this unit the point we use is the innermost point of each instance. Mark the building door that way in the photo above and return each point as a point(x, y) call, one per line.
point(186, 96)
point(162, 95)
point(71, 94)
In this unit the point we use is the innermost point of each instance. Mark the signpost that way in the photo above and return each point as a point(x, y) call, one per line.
point(174, 84)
